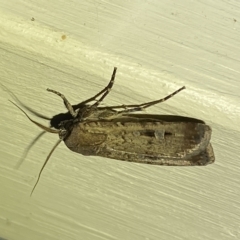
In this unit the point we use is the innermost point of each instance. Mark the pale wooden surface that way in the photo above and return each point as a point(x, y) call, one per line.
point(158, 47)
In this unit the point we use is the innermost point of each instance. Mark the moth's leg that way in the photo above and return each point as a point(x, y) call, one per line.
point(71, 108)
point(149, 104)
point(106, 91)
point(66, 102)
point(140, 107)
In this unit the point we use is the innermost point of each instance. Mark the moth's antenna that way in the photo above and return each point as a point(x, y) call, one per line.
point(28, 149)
point(23, 105)
point(47, 129)
point(49, 155)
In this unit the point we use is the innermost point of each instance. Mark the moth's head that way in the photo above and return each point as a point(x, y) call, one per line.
point(56, 120)
point(60, 120)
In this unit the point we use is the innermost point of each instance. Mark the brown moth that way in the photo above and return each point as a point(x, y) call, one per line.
point(116, 132)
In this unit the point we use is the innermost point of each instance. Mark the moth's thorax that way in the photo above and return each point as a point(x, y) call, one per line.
point(65, 128)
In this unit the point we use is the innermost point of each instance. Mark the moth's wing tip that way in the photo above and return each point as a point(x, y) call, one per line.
point(210, 154)
point(205, 157)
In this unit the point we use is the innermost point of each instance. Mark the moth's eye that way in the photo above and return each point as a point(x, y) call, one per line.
point(67, 124)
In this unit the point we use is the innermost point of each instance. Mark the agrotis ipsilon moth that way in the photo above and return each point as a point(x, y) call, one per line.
point(116, 132)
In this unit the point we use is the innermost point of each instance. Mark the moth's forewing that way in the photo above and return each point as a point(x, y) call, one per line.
point(166, 118)
point(144, 141)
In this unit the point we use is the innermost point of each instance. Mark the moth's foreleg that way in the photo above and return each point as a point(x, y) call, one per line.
point(66, 102)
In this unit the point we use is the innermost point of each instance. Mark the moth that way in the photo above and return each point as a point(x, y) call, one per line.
point(117, 132)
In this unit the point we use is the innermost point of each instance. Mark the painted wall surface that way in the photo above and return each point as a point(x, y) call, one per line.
point(158, 47)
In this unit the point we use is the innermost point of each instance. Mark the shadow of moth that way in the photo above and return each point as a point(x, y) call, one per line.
point(117, 132)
